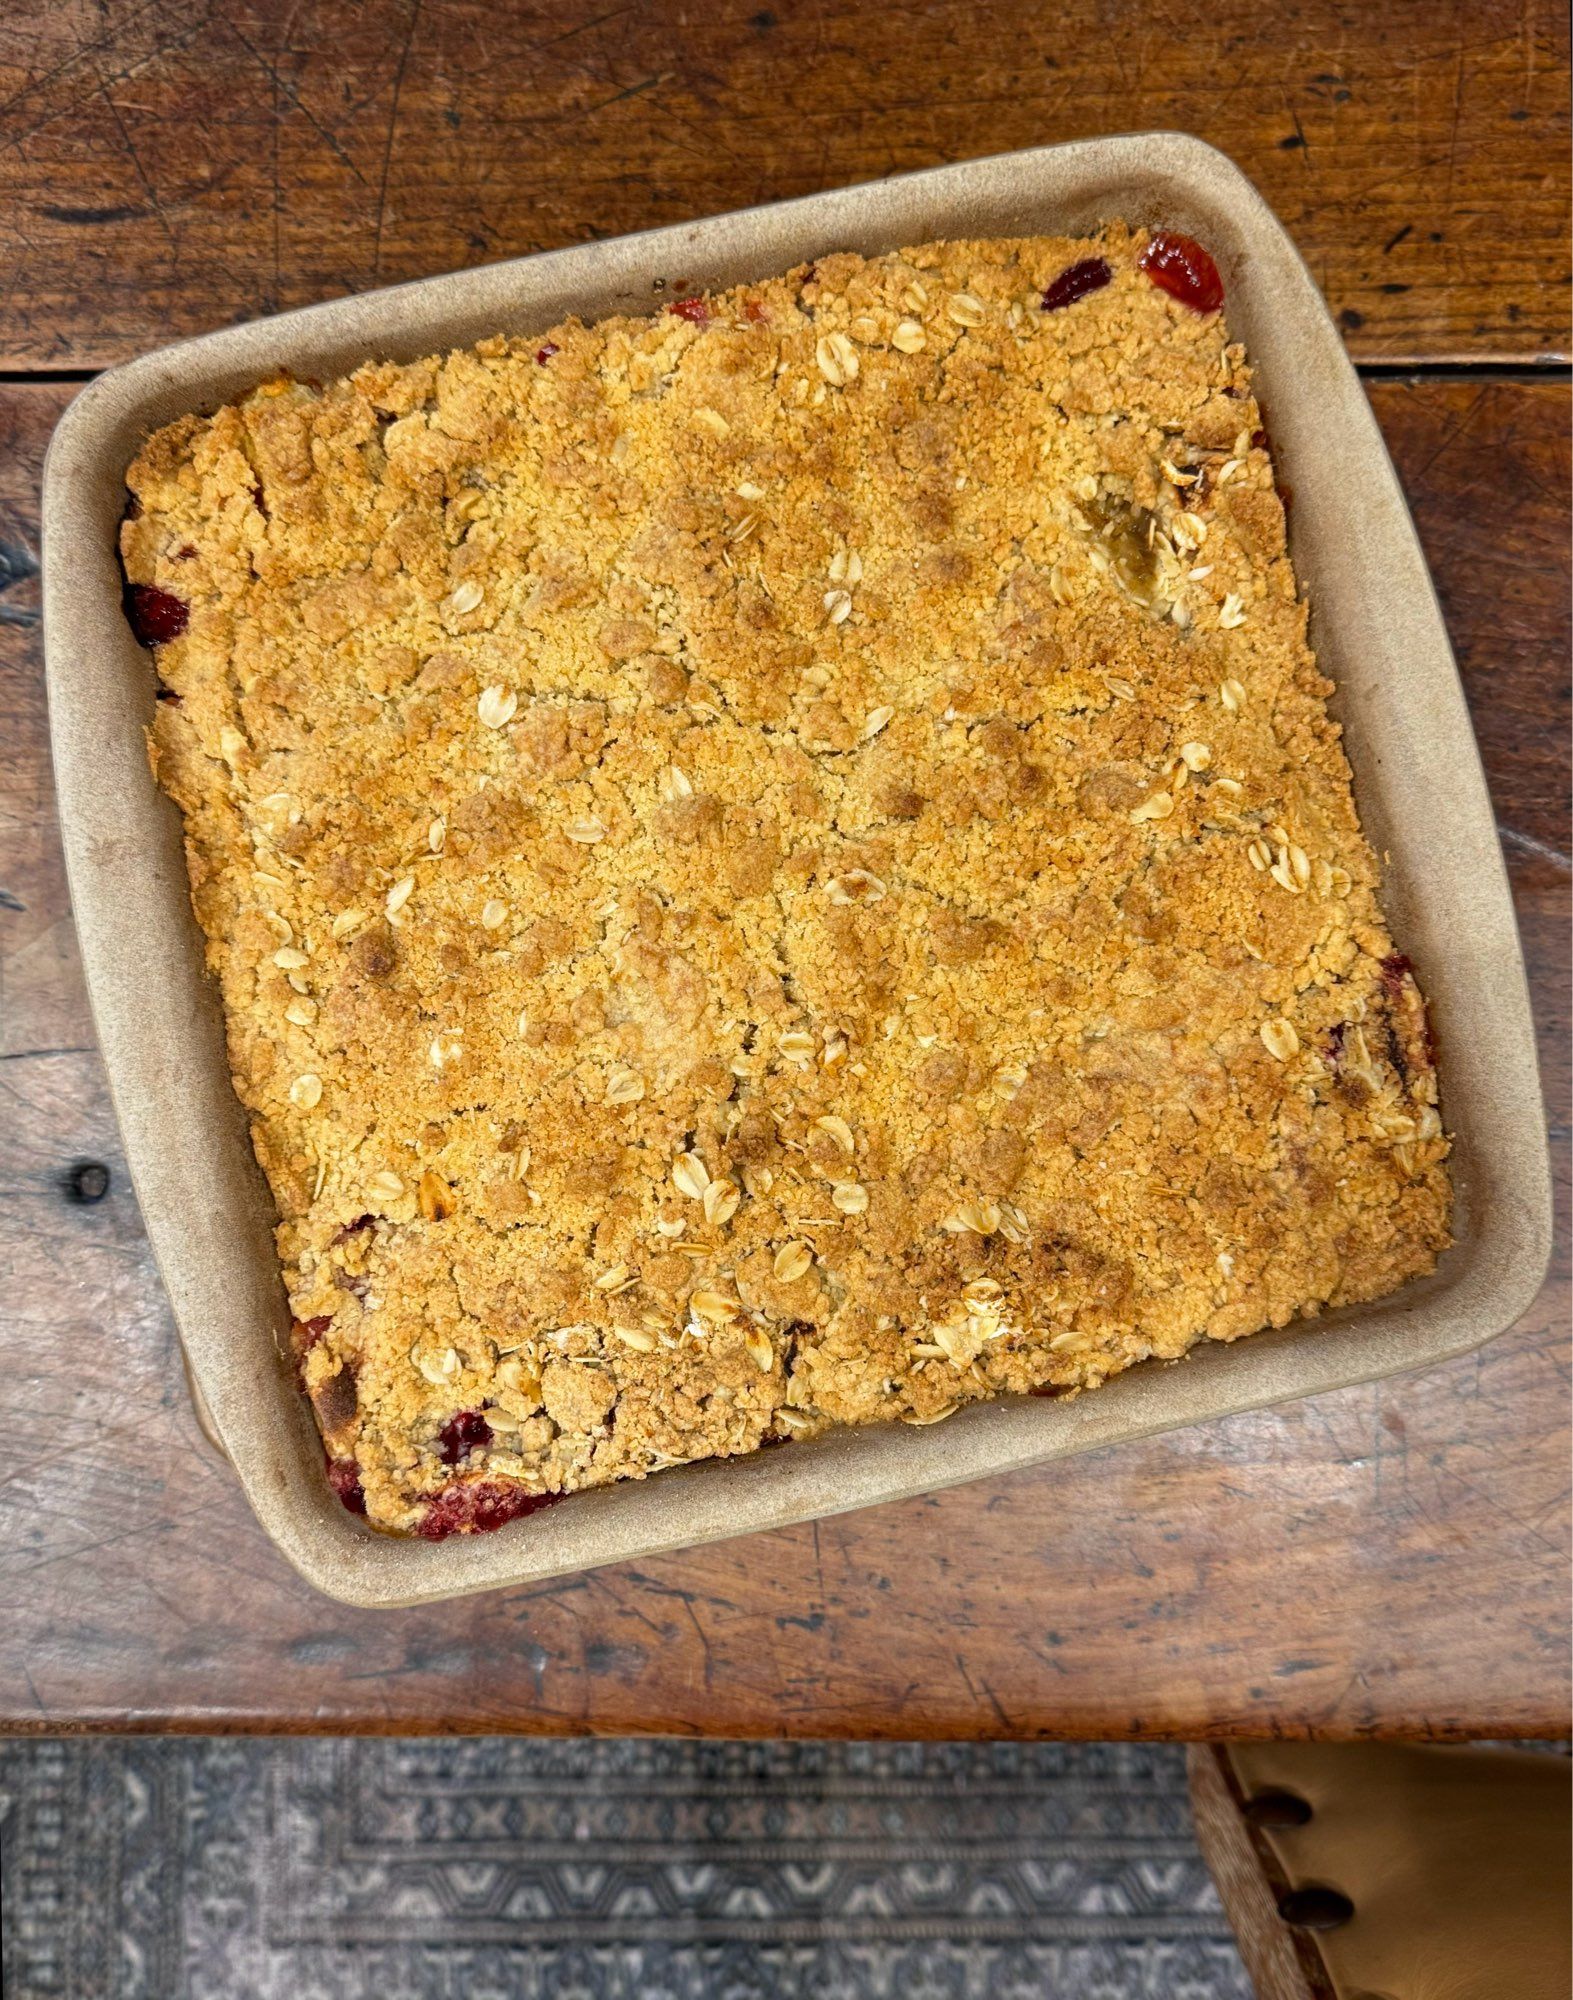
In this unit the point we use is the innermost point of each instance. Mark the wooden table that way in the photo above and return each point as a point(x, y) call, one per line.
point(1389, 1559)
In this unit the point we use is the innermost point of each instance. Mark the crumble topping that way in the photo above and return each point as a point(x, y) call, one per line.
point(778, 864)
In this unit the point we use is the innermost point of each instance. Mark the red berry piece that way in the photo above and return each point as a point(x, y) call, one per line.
point(694, 310)
point(344, 1478)
point(304, 1335)
point(155, 616)
point(545, 351)
point(754, 311)
point(478, 1508)
point(1075, 282)
point(1397, 969)
point(463, 1433)
point(1180, 266)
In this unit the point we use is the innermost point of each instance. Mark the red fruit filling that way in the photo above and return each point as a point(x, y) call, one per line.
point(354, 1228)
point(545, 351)
point(344, 1478)
point(1396, 968)
point(1180, 266)
point(461, 1434)
point(1075, 282)
point(154, 615)
point(309, 1331)
point(478, 1509)
point(694, 310)
point(753, 309)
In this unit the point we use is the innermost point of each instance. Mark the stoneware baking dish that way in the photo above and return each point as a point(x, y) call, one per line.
point(1377, 631)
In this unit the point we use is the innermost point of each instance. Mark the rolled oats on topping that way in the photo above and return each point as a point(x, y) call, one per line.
point(874, 722)
point(463, 598)
point(497, 706)
point(720, 1200)
point(857, 885)
point(792, 1261)
point(837, 359)
point(434, 1196)
point(717, 1306)
point(1280, 1038)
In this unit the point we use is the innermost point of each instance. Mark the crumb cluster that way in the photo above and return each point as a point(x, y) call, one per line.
point(779, 864)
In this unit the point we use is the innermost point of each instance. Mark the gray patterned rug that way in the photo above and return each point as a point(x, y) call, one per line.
point(509, 1869)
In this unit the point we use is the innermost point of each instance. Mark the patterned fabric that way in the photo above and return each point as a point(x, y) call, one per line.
point(510, 1869)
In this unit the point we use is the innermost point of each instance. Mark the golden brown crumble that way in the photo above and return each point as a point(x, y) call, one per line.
point(779, 864)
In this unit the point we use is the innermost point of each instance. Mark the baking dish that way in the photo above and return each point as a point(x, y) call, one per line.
point(1378, 634)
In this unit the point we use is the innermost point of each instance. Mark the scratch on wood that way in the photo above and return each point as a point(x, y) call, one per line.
point(57, 213)
point(393, 119)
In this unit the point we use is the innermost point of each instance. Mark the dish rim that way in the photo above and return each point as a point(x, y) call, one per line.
point(100, 684)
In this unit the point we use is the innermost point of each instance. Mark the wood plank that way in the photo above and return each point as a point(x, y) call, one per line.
point(168, 166)
point(1390, 1558)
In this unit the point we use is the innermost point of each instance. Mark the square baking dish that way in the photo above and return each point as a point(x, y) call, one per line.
point(1377, 632)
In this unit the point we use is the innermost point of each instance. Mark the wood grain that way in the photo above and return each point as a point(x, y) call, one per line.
point(1283, 1963)
point(1388, 1559)
point(168, 166)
